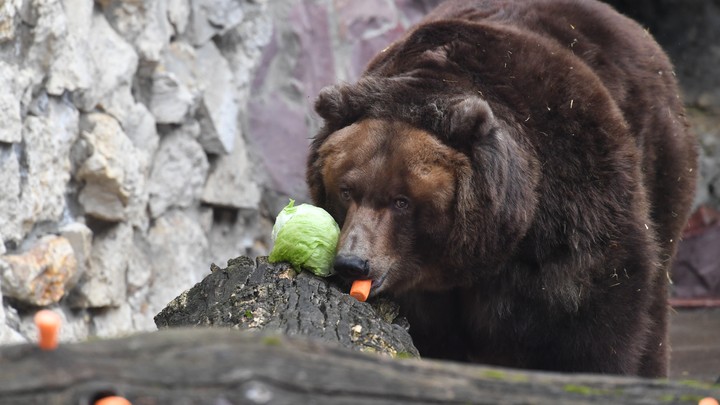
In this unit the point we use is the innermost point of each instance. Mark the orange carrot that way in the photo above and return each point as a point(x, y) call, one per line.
point(708, 401)
point(48, 325)
point(112, 401)
point(361, 289)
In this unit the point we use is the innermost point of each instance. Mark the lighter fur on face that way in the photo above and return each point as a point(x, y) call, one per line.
point(370, 169)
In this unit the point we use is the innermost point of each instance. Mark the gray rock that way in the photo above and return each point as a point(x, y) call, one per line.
point(113, 322)
point(104, 283)
point(75, 326)
point(178, 249)
point(47, 141)
point(231, 183)
point(174, 93)
point(219, 108)
point(143, 23)
point(78, 17)
point(39, 104)
point(139, 270)
point(11, 129)
point(15, 323)
point(42, 275)
point(142, 317)
point(103, 200)
point(158, 31)
point(243, 45)
point(8, 17)
point(10, 208)
point(189, 80)
point(179, 15)
point(139, 276)
point(114, 174)
point(135, 119)
point(8, 335)
point(178, 173)
point(114, 63)
point(60, 45)
point(170, 99)
point(212, 17)
point(80, 238)
point(205, 217)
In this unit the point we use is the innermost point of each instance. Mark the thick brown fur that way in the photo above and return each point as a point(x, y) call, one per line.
point(517, 175)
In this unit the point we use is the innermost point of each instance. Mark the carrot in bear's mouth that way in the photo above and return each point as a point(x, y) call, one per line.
point(361, 289)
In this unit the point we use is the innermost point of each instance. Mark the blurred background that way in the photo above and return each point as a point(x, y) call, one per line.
point(143, 140)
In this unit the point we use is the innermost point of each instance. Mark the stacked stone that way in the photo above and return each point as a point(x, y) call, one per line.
point(124, 166)
point(122, 155)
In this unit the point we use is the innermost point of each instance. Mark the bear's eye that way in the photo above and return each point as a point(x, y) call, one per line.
point(401, 203)
point(345, 194)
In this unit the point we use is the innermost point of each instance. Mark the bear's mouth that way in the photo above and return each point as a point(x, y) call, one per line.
point(376, 286)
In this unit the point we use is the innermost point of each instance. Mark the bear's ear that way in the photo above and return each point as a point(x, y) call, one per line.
point(333, 106)
point(470, 119)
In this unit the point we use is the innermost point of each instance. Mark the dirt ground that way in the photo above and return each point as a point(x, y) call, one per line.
point(695, 342)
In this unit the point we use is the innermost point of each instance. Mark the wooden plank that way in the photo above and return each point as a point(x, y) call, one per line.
point(225, 366)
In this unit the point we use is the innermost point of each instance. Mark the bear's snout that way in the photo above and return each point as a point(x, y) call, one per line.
point(351, 266)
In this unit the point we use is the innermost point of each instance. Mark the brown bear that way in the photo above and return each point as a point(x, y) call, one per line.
point(517, 175)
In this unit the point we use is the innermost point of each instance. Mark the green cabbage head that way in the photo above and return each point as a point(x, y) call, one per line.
point(305, 236)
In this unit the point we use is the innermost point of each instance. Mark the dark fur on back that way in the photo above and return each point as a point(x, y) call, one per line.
point(581, 179)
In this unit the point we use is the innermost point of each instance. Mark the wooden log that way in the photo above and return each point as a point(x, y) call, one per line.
point(226, 366)
point(257, 295)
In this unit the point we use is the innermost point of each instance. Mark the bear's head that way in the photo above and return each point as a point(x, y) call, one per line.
point(423, 185)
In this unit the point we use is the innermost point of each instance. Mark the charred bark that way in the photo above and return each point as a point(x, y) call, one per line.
point(257, 295)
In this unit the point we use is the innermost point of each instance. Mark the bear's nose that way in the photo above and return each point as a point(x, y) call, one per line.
point(351, 266)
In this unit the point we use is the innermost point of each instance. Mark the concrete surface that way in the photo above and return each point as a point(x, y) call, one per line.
point(695, 342)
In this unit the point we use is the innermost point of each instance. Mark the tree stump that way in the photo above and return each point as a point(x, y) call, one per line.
point(257, 295)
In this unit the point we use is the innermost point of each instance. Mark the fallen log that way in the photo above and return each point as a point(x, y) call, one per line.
point(226, 366)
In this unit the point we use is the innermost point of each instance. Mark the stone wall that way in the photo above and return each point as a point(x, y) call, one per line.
point(124, 169)
point(143, 140)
